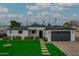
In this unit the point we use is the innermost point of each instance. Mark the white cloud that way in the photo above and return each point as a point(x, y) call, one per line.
point(32, 8)
point(68, 4)
point(43, 13)
point(43, 5)
point(57, 7)
point(38, 6)
point(29, 13)
point(3, 9)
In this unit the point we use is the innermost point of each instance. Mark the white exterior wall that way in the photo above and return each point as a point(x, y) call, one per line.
point(73, 35)
point(15, 33)
point(48, 34)
point(37, 29)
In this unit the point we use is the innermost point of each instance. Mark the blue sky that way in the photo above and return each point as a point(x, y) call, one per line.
point(32, 12)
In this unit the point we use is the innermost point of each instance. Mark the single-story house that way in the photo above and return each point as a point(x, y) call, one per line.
point(52, 33)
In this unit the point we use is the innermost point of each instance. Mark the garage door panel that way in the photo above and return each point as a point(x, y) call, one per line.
point(60, 36)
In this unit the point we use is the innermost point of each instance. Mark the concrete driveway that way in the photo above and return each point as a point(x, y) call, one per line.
point(69, 48)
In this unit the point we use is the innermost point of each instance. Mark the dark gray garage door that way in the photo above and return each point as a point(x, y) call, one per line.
point(60, 35)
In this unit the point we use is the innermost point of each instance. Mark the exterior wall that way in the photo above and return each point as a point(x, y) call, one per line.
point(48, 34)
point(3, 29)
point(15, 33)
point(77, 34)
point(37, 30)
point(77, 28)
point(33, 34)
point(73, 35)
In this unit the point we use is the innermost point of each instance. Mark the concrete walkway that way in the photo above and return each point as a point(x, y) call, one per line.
point(44, 50)
point(69, 48)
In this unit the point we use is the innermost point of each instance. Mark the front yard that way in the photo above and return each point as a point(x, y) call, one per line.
point(23, 48)
point(27, 48)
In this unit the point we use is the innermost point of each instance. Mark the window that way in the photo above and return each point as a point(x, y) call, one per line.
point(20, 32)
point(10, 31)
point(33, 32)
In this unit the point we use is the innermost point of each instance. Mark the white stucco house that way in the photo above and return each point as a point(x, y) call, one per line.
point(52, 33)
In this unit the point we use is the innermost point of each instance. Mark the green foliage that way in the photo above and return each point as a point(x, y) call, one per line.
point(21, 48)
point(37, 38)
point(28, 38)
point(31, 38)
point(17, 38)
point(45, 39)
point(67, 25)
point(14, 24)
point(49, 24)
point(54, 51)
point(7, 38)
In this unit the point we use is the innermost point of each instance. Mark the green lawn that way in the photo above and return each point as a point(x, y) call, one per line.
point(54, 51)
point(21, 48)
point(27, 48)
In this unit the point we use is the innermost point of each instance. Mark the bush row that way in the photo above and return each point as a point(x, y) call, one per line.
point(25, 38)
point(20, 38)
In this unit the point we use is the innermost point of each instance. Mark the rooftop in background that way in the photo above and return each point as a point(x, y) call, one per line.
point(56, 27)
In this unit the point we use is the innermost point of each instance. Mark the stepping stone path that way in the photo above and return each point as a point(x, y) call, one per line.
point(44, 48)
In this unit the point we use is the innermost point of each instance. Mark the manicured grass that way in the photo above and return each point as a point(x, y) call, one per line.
point(21, 48)
point(54, 51)
point(27, 48)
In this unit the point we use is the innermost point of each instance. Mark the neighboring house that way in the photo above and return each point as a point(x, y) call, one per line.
point(77, 32)
point(54, 33)
point(74, 23)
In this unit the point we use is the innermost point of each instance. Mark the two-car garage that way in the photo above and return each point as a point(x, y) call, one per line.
point(60, 36)
point(58, 33)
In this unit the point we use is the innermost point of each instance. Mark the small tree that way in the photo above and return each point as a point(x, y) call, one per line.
point(67, 25)
point(49, 24)
point(14, 24)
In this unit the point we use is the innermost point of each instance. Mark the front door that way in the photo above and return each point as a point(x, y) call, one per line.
point(40, 34)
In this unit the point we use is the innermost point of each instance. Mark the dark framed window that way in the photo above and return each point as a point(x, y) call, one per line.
point(20, 32)
point(10, 31)
point(33, 31)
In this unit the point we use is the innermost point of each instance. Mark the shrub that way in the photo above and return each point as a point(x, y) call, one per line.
point(31, 37)
point(13, 37)
point(27, 38)
point(7, 38)
point(37, 38)
point(45, 39)
point(17, 37)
